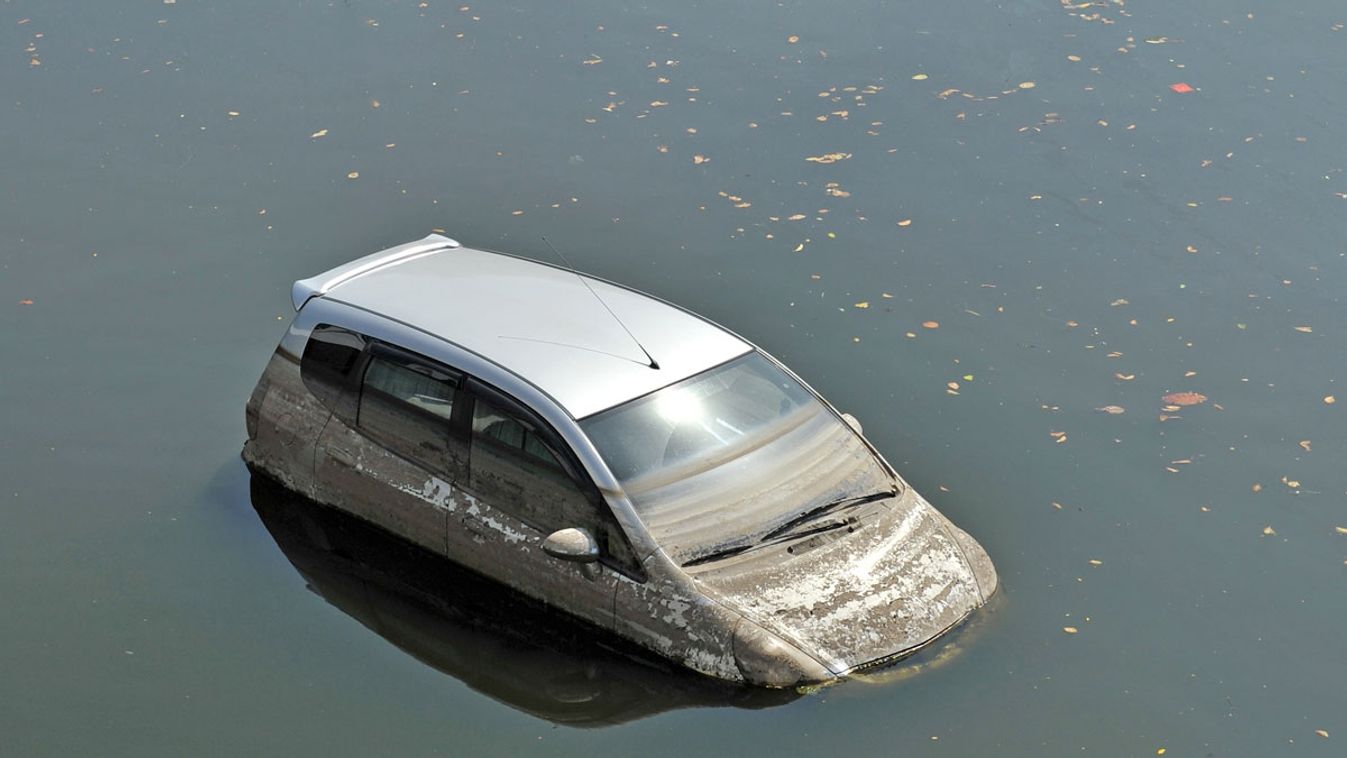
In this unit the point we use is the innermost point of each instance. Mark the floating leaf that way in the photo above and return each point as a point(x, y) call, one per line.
point(1027, 85)
point(1329, 400)
point(862, 304)
point(828, 157)
point(919, 77)
point(1322, 733)
point(905, 222)
point(1184, 398)
point(353, 175)
point(699, 159)
point(1304, 445)
point(1112, 410)
point(1070, 629)
point(930, 324)
point(1181, 87)
point(1269, 531)
point(792, 39)
point(319, 133)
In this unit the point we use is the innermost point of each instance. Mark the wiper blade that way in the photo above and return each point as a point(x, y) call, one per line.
point(809, 515)
point(717, 555)
point(815, 512)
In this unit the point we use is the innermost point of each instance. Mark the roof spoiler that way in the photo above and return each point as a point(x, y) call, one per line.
point(319, 285)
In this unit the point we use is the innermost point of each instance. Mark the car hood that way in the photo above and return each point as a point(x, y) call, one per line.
point(848, 598)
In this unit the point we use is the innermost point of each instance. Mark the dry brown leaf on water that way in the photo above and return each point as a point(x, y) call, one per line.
point(1112, 410)
point(828, 157)
point(353, 175)
point(1124, 377)
point(1269, 531)
point(905, 222)
point(862, 304)
point(1304, 329)
point(699, 159)
point(1340, 529)
point(1329, 400)
point(796, 217)
point(930, 324)
point(1322, 733)
point(319, 133)
point(1257, 487)
point(1304, 445)
point(1184, 398)
point(1070, 629)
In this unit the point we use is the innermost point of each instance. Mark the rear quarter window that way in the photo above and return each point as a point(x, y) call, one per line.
point(329, 358)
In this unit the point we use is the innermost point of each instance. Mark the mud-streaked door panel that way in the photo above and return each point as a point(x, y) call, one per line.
point(518, 491)
point(396, 465)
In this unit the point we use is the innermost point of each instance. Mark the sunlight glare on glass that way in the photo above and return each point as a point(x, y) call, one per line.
point(679, 406)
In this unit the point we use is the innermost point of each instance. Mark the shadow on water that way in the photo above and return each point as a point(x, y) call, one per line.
point(501, 644)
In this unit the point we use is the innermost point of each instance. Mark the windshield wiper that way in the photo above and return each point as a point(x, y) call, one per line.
point(809, 515)
point(817, 511)
point(717, 555)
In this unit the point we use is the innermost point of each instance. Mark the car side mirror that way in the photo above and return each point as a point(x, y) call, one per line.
point(853, 422)
point(575, 545)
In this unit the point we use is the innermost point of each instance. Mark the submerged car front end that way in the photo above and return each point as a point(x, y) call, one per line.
point(767, 501)
point(889, 584)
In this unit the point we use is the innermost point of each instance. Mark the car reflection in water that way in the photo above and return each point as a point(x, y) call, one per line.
point(502, 644)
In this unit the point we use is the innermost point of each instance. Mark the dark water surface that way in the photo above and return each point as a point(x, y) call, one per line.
point(1084, 235)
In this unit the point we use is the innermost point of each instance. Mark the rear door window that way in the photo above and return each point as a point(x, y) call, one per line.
point(407, 405)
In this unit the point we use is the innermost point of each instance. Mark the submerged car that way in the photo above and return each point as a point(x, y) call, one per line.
point(611, 455)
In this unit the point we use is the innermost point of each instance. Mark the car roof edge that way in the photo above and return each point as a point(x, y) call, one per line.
point(318, 285)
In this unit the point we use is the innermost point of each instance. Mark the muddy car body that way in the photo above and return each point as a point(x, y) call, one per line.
point(611, 455)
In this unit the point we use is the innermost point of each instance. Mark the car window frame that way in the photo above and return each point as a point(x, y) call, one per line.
point(571, 467)
point(456, 426)
point(341, 401)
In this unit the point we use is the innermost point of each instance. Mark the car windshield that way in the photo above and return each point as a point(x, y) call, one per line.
point(724, 457)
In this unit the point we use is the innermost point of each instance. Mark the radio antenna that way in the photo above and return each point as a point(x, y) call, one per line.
point(653, 363)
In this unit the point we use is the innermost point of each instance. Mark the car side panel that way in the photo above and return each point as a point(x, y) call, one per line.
point(673, 618)
point(492, 542)
point(357, 475)
point(290, 419)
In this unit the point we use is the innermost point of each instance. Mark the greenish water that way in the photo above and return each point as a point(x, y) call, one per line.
point(1095, 239)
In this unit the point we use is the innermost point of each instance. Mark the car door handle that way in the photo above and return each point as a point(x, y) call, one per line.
point(342, 457)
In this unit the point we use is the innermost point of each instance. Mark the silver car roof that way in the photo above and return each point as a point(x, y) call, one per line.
point(538, 321)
